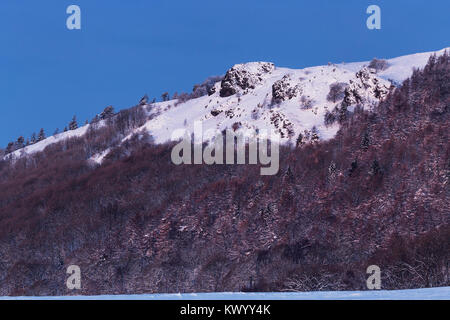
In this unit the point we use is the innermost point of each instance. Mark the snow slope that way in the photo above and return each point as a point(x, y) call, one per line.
point(254, 109)
point(252, 106)
point(442, 293)
point(400, 68)
point(259, 95)
point(41, 145)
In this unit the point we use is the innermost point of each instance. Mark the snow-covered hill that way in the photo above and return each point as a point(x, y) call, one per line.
point(286, 100)
point(259, 95)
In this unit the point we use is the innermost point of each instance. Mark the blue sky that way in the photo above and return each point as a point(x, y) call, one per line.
point(126, 49)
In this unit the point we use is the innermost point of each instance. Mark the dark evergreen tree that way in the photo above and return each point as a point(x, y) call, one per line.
point(144, 100)
point(41, 135)
point(20, 142)
point(289, 175)
point(165, 96)
point(375, 168)
point(33, 138)
point(353, 167)
point(365, 141)
point(108, 112)
point(332, 171)
point(329, 118)
point(9, 148)
point(299, 141)
point(314, 134)
point(343, 113)
point(73, 124)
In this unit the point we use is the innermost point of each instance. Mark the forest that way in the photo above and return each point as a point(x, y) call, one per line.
point(376, 194)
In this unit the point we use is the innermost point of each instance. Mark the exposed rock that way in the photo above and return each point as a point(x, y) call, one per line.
point(365, 87)
point(242, 77)
point(211, 91)
point(284, 89)
point(282, 124)
point(215, 113)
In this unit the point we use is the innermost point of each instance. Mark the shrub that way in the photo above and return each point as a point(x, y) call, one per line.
point(336, 92)
point(378, 64)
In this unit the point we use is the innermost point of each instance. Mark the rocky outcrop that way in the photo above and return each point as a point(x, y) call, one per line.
point(366, 86)
point(242, 77)
point(284, 89)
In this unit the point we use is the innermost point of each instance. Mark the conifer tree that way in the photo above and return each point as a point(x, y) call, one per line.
point(299, 141)
point(365, 141)
point(73, 125)
point(9, 148)
point(41, 135)
point(33, 138)
point(375, 168)
point(108, 112)
point(165, 96)
point(314, 134)
point(332, 171)
point(20, 142)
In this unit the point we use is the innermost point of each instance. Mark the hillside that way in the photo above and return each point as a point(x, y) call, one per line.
point(259, 95)
point(372, 190)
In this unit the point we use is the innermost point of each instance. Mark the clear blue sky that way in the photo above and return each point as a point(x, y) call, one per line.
point(126, 49)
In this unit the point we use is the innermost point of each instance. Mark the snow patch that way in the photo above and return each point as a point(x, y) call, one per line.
point(41, 145)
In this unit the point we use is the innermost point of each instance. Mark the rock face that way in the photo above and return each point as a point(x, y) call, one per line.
point(365, 86)
point(284, 89)
point(282, 124)
point(242, 77)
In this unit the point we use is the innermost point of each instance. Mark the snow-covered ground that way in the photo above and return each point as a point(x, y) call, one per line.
point(41, 145)
point(400, 68)
point(442, 293)
point(253, 107)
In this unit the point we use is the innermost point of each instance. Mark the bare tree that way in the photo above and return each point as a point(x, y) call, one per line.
point(337, 90)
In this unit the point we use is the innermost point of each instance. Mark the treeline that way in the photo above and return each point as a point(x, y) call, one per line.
point(21, 142)
point(204, 88)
